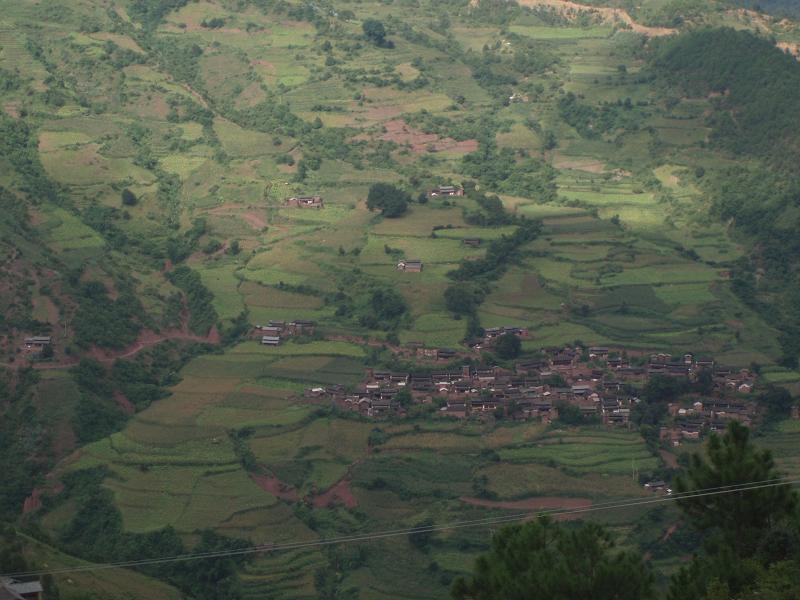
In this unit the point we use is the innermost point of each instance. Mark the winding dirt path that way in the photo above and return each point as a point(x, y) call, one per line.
point(610, 15)
point(340, 492)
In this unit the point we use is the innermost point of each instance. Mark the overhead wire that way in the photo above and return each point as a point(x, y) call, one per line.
point(367, 537)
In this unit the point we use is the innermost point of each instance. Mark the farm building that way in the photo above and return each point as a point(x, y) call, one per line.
point(14, 589)
point(301, 327)
point(446, 190)
point(271, 340)
point(412, 266)
point(472, 242)
point(306, 202)
point(39, 341)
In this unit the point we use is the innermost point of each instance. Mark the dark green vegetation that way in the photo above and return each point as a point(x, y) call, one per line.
point(757, 114)
point(147, 149)
point(750, 548)
point(550, 561)
point(391, 201)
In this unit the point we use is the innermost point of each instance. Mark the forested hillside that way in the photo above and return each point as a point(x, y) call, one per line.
point(756, 113)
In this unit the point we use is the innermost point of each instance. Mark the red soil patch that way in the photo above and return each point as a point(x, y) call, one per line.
point(609, 15)
point(668, 533)
point(257, 221)
point(381, 113)
point(339, 493)
point(276, 487)
point(260, 62)
point(400, 132)
point(123, 402)
point(669, 459)
point(253, 219)
point(533, 504)
point(12, 109)
point(32, 502)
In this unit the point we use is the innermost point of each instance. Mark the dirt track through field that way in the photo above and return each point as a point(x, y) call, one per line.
point(610, 15)
point(533, 504)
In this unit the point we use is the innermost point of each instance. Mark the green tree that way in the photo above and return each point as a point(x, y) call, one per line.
point(129, 198)
point(542, 559)
point(389, 199)
point(462, 299)
point(508, 346)
point(374, 31)
point(742, 517)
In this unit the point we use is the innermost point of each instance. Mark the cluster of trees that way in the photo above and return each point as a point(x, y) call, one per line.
point(375, 32)
point(475, 276)
point(389, 199)
point(506, 170)
point(150, 12)
point(104, 322)
point(593, 121)
point(754, 79)
point(750, 541)
point(202, 314)
point(24, 451)
point(499, 254)
point(370, 305)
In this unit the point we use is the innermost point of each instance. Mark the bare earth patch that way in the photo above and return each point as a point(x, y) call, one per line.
point(12, 109)
point(790, 47)
point(400, 132)
point(276, 487)
point(123, 402)
point(255, 220)
point(339, 493)
point(610, 15)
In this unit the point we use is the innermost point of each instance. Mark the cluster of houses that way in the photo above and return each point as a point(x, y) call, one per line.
point(708, 414)
point(275, 331)
point(305, 202)
point(601, 389)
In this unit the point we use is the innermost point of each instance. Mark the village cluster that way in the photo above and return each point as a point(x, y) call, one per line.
point(602, 388)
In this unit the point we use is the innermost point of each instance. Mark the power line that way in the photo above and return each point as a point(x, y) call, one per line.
point(611, 505)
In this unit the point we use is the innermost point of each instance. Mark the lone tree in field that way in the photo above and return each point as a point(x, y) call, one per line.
point(542, 559)
point(375, 32)
point(129, 198)
point(508, 346)
point(391, 200)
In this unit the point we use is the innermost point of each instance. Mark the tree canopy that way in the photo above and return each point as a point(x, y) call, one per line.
point(375, 31)
point(751, 542)
point(542, 559)
point(739, 517)
point(508, 346)
point(389, 199)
